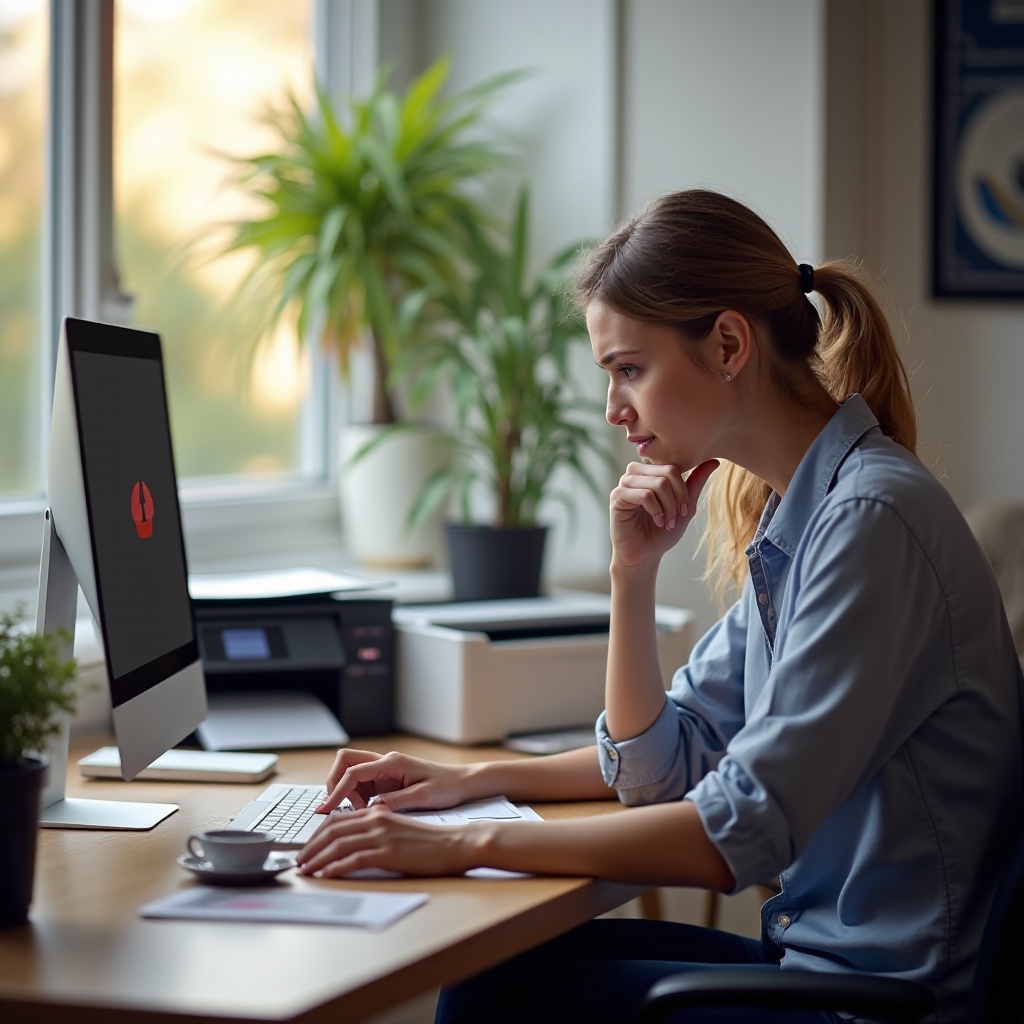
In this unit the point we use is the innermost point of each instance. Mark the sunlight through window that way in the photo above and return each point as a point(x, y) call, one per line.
point(191, 80)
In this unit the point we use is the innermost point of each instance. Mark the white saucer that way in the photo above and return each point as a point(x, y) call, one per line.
point(204, 870)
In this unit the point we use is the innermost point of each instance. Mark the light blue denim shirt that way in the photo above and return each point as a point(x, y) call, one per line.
point(852, 724)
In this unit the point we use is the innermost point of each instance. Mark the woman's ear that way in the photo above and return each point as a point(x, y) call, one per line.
point(734, 343)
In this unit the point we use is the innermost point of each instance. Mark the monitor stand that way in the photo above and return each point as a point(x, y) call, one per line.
point(57, 609)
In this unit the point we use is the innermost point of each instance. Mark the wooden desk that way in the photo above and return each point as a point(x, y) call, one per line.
point(86, 956)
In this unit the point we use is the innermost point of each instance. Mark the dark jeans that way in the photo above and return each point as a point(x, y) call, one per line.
point(600, 972)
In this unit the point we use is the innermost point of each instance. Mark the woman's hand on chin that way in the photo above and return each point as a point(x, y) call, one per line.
point(651, 508)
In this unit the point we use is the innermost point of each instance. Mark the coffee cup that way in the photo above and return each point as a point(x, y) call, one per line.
point(231, 852)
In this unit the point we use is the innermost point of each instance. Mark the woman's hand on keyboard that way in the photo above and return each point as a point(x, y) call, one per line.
point(398, 781)
point(375, 839)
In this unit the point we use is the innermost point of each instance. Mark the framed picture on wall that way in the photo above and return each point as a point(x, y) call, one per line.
point(978, 187)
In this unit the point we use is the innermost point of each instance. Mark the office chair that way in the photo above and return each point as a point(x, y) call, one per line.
point(997, 994)
point(998, 527)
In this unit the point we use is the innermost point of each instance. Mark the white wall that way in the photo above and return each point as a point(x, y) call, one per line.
point(726, 94)
point(561, 113)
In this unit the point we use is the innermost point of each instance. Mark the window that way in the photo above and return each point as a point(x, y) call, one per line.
point(190, 81)
point(110, 116)
point(24, 31)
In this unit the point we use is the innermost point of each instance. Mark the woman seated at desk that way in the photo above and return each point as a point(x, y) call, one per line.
point(850, 725)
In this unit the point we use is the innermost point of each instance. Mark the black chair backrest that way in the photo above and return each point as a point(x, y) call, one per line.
point(998, 991)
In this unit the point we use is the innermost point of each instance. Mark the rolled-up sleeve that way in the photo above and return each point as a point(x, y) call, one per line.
point(702, 711)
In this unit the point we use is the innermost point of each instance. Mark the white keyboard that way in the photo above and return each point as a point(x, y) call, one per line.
point(285, 811)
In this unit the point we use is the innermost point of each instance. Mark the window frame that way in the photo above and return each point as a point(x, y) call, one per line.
point(229, 519)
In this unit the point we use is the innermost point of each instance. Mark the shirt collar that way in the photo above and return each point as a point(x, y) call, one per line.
point(785, 519)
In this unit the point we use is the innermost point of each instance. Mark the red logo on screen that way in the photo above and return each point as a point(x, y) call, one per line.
point(142, 510)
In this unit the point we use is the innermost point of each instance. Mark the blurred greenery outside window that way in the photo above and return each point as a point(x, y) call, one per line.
point(189, 81)
point(191, 78)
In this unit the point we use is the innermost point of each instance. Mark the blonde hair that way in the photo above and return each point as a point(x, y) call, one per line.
point(691, 255)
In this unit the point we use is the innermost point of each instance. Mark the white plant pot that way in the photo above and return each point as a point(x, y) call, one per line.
point(378, 491)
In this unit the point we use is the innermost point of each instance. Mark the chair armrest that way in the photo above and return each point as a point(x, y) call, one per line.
point(882, 999)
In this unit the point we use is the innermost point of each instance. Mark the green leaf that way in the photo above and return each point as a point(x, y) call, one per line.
point(380, 161)
point(37, 688)
point(432, 497)
point(520, 243)
point(375, 442)
point(333, 224)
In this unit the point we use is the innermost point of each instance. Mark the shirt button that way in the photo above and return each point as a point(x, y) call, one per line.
point(762, 598)
point(613, 754)
point(785, 920)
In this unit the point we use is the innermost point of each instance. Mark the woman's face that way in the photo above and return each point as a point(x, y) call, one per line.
point(671, 408)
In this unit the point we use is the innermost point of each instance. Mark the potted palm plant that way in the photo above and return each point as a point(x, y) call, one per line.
point(520, 415)
point(362, 207)
point(36, 689)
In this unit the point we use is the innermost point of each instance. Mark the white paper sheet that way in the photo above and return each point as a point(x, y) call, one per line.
point(269, 720)
point(233, 586)
point(360, 909)
point(490, 809)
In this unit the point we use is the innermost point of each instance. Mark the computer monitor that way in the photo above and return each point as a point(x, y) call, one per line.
point(113, 528)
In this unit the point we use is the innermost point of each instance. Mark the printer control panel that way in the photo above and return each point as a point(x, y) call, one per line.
point(239, 644)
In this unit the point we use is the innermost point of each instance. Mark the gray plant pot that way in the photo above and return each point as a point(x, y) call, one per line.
point(20, 787)
point(490, 563)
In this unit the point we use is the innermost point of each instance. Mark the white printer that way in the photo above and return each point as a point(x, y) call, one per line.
point(481, 671)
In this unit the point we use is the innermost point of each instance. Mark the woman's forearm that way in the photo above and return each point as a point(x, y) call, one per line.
point(573, 775)
point(634, 689)
point(663, 844)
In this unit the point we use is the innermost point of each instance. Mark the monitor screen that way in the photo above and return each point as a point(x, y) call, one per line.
point(113, 529)
point(131, 496)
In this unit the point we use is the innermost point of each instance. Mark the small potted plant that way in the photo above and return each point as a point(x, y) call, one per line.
point(36, 690)
point(363, 203)
point(520, 414)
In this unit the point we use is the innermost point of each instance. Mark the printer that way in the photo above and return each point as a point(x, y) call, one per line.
point(336, 646)
point(482, 671)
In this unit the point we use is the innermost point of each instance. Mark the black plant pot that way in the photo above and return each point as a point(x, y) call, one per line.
point(20, 788)
point(489, 563)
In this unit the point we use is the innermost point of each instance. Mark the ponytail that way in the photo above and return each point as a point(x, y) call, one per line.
point(694, 253)
point(858, 353)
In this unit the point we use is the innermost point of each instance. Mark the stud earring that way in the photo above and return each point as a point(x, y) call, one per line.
point(727, 375)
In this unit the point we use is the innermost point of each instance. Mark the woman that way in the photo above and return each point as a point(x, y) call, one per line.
point(849, 727)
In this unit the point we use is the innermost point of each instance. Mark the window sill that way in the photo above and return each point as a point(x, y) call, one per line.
point(221, 524)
